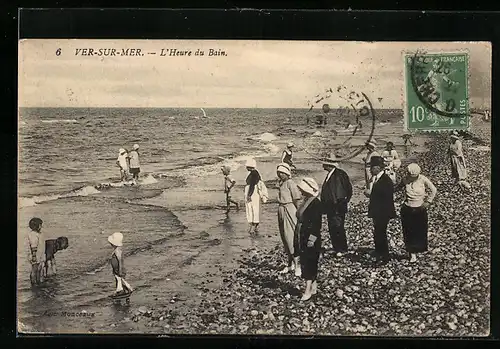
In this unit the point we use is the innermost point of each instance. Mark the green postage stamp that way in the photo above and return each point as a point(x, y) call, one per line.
point(436, 91)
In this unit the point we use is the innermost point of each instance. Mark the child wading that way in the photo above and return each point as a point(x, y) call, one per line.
point(36, 250)
point(229, 183)
point(122, 286)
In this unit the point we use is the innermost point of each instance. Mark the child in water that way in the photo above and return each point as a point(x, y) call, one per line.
point(36, 250)
point(229, 183)
point(122, 286)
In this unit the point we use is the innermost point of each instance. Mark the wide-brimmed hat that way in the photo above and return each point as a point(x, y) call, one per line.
point(251, 163)
point(284, 168)
point(377, 161)
point(121, 151)
point(309, 185)
point(136, 146)
point(116, 239)
point(290, 145)
point(371, 143)
point(330, 160)
point(454, 134)
point(413, 169)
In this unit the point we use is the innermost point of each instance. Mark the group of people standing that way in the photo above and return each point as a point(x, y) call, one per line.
point(302, 205)
point(129, 163)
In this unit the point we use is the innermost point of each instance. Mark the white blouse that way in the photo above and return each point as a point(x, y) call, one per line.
point(416, 191)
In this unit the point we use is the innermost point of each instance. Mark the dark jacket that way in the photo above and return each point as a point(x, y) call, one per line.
point(310, 224)
point(252, 180)
point(382, 199)
point(336, 192)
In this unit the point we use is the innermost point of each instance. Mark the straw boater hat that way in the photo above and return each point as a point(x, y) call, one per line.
point(331, 160)
point(122, 151)
point(136, 146)
point(251, 163)
point(290, 145)
point(309, 185)
point(116, 239)
point(454, 134)
point(284, 168)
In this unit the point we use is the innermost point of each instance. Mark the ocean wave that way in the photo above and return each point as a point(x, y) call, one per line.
point(60, 121)
point(32, 201)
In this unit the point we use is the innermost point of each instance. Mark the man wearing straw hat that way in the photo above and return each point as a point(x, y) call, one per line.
point(370, 145)
point(336, 193)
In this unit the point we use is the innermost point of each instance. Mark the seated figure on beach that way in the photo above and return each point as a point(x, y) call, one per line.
point(122, 286)
point(229, 183)
point(122, 163)
point(288, 200)
point(308, 239)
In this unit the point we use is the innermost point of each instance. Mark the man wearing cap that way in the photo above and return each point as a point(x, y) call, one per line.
point(370, 145)
point(135, 166)
point(336, 193)
point(381, 206)
point(287, 155)
point(122, 163)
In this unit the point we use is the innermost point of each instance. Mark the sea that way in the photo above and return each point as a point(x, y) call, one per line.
point(68, 177)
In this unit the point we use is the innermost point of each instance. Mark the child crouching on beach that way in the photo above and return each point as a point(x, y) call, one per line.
point(122, 286)
point(229, 183)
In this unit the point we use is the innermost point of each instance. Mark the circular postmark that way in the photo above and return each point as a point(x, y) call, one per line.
point(432, 81)
point(359, 109)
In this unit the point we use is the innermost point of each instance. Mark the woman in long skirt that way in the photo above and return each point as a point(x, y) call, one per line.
point(309, 216)
point(288, 200)
point(414, 217)
point(457, 159)
point(252, 197)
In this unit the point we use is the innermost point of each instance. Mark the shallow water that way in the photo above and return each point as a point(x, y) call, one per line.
point(162, 219)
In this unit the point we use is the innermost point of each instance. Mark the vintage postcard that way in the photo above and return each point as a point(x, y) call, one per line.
point(254, 187)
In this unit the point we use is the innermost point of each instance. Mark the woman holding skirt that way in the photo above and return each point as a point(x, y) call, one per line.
point(309, 216)
point(288, 200)
point(457, 159)
point(414, 210)
point(252, 196)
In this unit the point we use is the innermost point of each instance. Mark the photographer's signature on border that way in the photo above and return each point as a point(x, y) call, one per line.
point(69, 314)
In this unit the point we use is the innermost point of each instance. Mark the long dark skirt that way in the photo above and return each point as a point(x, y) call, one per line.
point(415, 227)
point(309, 257)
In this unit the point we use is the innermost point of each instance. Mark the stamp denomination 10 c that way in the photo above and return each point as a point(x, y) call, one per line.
point(436, 91)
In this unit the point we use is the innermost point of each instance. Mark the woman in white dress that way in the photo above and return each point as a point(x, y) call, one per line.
point(252, 196)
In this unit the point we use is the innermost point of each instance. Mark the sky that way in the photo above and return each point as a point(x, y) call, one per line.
point(254, 74)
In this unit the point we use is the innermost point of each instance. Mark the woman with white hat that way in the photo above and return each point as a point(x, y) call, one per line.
point(371, 145)
point(135, 165)
point(122, 286)
point(252, 196)
point(457, 159)
point(309, 216)
point(288, 200)
point(122, 163)
point(414, 219)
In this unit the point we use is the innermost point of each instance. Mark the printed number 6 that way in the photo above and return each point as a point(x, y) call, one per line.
point(58, 52)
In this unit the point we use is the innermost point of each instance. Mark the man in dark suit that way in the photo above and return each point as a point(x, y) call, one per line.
point(381, 206)
point(336, 193)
